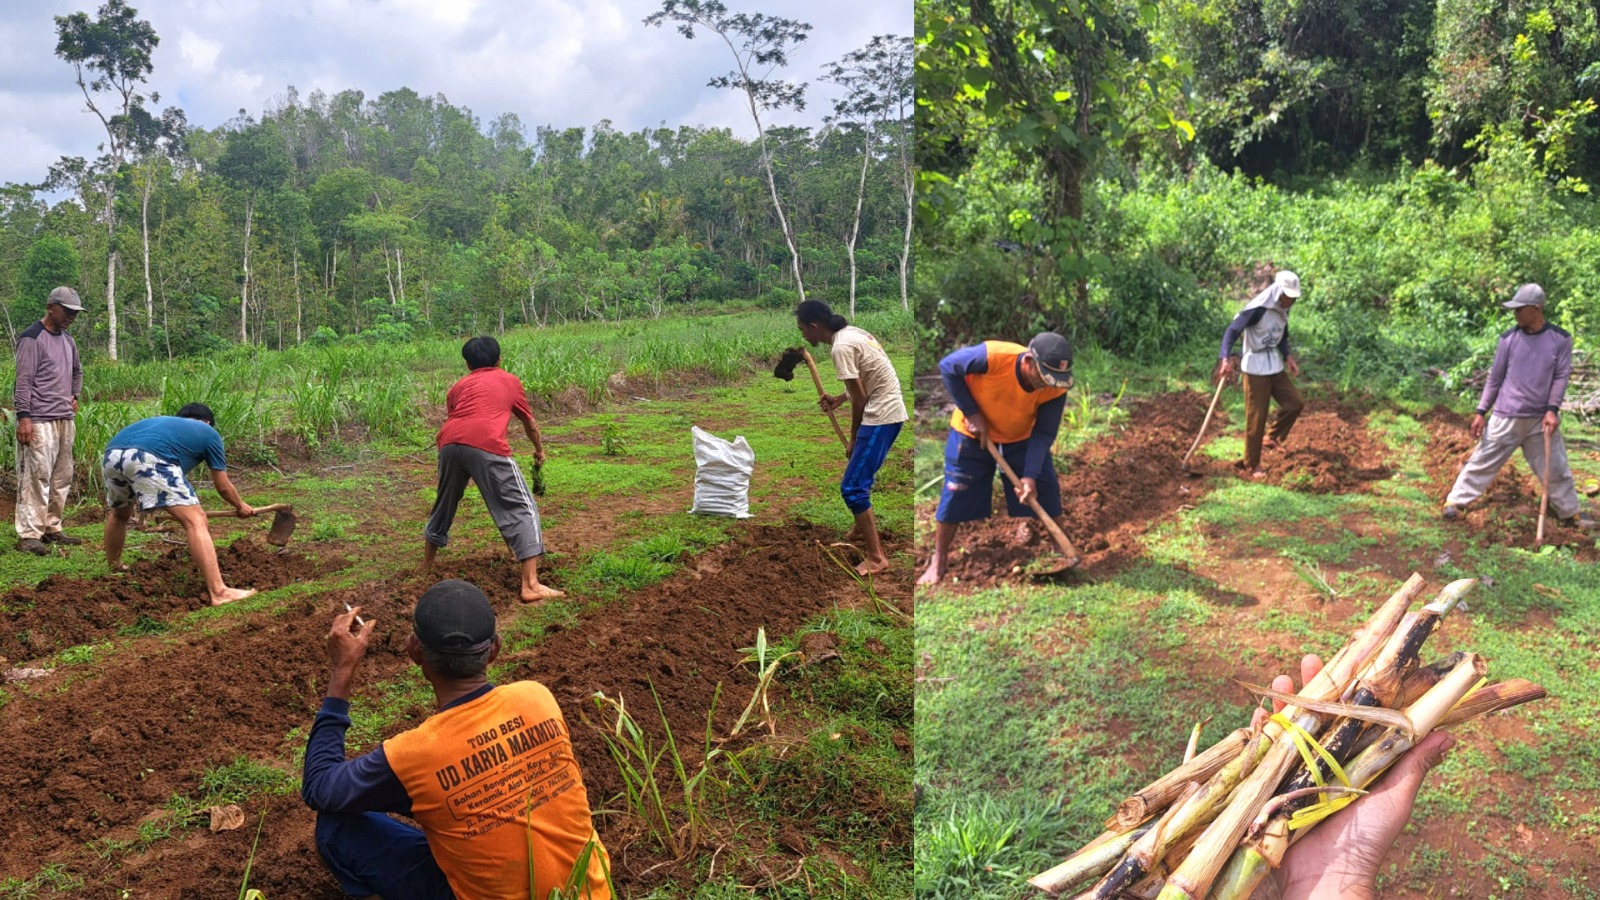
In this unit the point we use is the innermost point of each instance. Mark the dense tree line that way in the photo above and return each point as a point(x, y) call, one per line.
point(1064, 147)
point(333, 215)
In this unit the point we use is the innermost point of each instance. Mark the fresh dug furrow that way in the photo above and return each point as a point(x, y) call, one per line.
point(683, 636)
point(89, 761)
point(1111, 491)
point(1507, 512)
point(65, 612)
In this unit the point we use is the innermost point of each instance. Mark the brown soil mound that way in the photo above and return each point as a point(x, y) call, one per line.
point(1507, 514)
point(151, 726)
point(1111, 492)
point(65, 612)
point(1328, 452)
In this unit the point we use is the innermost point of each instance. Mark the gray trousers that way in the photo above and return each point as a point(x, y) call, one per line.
point(500, 482)
point(1501, 438)
point(44, 476)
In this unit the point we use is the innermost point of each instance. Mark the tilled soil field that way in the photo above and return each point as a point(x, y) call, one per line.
point(91, 755)
point(1113, 490)
point(1507, 513)
point(66, 612)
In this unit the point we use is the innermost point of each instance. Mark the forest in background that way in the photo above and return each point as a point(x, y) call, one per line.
point(329, 216)
point(1119, 170)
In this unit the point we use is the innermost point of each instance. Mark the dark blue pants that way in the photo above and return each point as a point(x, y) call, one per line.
point(866, 458)
point(371, 853)
point(969, 482)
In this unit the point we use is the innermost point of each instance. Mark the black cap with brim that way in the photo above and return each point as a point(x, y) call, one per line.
point(454, 616)
point(1053, 355)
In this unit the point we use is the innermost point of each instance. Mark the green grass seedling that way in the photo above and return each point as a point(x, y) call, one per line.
point(677, 824)
point(765, 673)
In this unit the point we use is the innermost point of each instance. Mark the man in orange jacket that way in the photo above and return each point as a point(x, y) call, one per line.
point(1015, 396)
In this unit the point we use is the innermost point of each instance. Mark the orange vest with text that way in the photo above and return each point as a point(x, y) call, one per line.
point(1008, 407)
point(491, 777)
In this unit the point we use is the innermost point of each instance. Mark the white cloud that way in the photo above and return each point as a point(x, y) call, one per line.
point(559, 62)
point(199, 53)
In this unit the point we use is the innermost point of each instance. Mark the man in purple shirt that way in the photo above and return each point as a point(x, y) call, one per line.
point(1526, 384)
point(49, 379)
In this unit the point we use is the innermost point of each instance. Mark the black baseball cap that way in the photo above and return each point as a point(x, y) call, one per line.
point(454, 616)
point(1053, 353)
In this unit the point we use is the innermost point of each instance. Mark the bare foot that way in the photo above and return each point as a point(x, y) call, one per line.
point(229, 595)
point(121, 567)
point(932, 575)
point(872, 567)
point(1271, 443)
point(1259, 475)
point(540, 592)
point(853, 535)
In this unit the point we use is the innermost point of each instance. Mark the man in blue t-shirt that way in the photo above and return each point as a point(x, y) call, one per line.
point(145, 465)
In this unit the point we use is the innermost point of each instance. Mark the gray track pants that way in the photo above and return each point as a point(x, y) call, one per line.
point(500, 482)
point(1501, 438)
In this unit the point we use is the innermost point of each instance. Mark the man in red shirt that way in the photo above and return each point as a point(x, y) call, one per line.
point(472, 445)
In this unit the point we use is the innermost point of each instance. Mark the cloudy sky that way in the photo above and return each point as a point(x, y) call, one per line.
point(558, 62)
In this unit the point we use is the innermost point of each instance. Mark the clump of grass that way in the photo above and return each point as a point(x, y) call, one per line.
point(55, 877)
point(985, 846)
point(144, 625)
point(766, 672)
point(611, 439)
point(83, 654)
point(658, 787)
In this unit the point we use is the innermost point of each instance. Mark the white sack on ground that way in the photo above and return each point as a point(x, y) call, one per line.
point(722, 475)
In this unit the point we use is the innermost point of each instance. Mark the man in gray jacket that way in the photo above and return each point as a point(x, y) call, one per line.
point(1526, 385)
point(49, 379)
point(1269, 370)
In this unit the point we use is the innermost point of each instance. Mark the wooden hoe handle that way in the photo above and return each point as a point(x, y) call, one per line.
point(1060, 537)
point(234, 513)
point(1213, 408)
point(817, 379)
point(1544, 495)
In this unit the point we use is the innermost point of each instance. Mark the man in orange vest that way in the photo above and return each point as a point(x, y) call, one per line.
point(1015, 396)
point(490, 776)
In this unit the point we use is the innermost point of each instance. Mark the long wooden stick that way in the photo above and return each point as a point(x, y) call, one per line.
point(1213, 408)
point(817, 379)
point(1544, 496)
point(234, 513)
point(1060, 537)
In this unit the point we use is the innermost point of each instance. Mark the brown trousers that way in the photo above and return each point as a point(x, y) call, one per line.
point(1258, 391)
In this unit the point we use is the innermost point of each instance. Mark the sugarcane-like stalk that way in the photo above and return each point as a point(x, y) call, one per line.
point(1092, 860)
point(1270, 837)
point(1193, 878)
point(1378, 687)
point(1159, 794)
point(1492, 698)
point(1145, 852)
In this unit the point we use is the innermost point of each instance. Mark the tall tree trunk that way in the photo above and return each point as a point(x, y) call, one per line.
point(244, 292)
point(111, 275)
point(299, 302)
point(144, 231)
point(388, 273)
point(400, 272)
point(910, 186)
point(855, 226)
